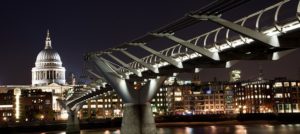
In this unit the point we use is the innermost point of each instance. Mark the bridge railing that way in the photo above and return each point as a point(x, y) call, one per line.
point(210, 42)
point(181, 53)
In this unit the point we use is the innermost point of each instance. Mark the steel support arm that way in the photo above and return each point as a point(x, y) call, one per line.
point(269, 40)
point(279, 55)
point(119, 84)
point(150, 50)
point(200, 50)
point(113, 68)
point(96, 75)
point(125, 65)
point(153, 69)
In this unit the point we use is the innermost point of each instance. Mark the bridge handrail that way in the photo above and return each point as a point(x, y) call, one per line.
point(196, 39)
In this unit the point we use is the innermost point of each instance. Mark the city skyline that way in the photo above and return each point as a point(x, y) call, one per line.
point(78, 27)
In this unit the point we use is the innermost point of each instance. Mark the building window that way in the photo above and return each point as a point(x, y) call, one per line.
point(93, 106)
point(100, 106)
point(286, 84)
point(85, 106)
point(47, 102)
point(177, 93)
point(278, 95)
point(293, 84)
point(277, 84)
point(177, 98)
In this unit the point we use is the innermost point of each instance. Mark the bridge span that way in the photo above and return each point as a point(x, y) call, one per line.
point(268, 34)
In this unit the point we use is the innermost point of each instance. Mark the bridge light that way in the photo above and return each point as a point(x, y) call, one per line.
point(197, 70)
point(175, 74)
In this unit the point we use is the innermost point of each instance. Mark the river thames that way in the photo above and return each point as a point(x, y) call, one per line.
point(213, 129)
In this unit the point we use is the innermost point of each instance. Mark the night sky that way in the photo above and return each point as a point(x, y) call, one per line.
point(78, 26)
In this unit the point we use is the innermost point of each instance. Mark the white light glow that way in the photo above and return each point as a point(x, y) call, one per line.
point(6, 106)
point(64, 115)
point(17, 107)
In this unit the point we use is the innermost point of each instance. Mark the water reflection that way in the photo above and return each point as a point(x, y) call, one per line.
point(213, 129)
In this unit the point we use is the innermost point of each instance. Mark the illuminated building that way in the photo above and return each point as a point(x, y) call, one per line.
point(253, 97)
point(36, 105)
point(228, 99)
point(108, 105)
point(7, 106)
point(25, 105)
point(174, 99)
point(47, 75)
point(235, 75)
point(214, 103)
point(286, 96)
point(198, 101)
point(183, 98)
point(159, 102)
point(272, 96)
point(48, 66)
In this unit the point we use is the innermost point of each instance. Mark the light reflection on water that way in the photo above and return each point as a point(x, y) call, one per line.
point(213, 129)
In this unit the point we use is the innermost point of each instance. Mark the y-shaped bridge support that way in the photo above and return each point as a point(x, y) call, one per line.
point(73, 122)
point(137, 116)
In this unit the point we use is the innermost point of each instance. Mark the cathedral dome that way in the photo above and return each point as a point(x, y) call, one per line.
point(48, 55)
point(48, 66)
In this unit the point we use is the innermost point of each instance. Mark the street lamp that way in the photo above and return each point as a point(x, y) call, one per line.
point(42, 117)
point(240, 108)
point(4, 119)
point(244, 108)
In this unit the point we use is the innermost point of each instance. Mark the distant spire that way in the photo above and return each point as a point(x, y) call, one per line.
point(260, 73)
point(48, 41)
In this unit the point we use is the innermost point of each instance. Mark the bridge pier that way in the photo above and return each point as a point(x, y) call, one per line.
point(138, 119)
point(137, 116)
point(73, 122)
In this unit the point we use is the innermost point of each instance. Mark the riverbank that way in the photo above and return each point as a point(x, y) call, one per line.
point(231, 122)
point(94, 125)
point(163, 121)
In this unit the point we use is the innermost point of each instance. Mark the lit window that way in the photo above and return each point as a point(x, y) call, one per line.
point(100, 106)
point(286, 84)
point(84, 106)
point(293, 84)
point(93, 106)
point(278, 84)
point(177, 93)
point(278, 95)
point(177, 98)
